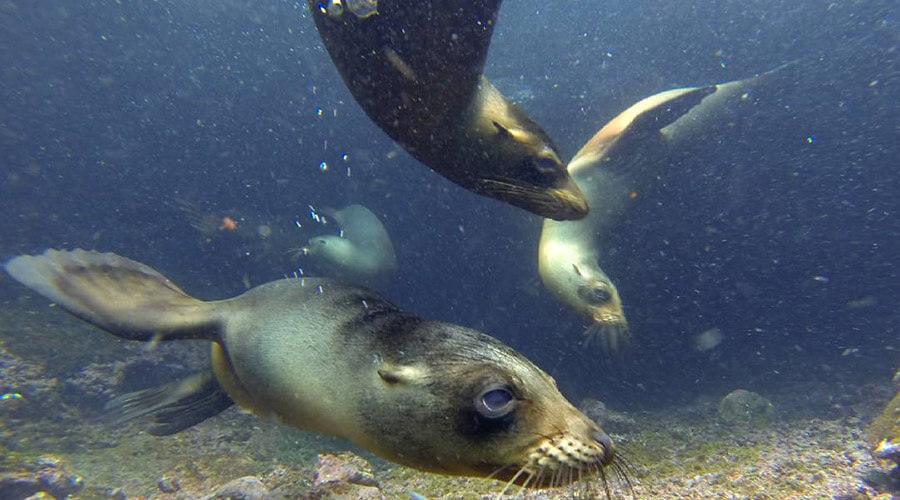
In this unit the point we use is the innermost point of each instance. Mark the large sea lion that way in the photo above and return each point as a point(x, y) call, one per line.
point(416, 70)
point(620, 160)
point(335, 359)
point(362, 254)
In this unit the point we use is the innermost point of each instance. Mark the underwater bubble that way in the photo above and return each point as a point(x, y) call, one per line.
point(323, 166)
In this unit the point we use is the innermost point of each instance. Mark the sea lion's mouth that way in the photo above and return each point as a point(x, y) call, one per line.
point(558, 203)
point(609, 330)
point(566, 462)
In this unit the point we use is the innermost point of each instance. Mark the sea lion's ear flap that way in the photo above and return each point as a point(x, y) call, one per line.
point(393, 374)
point(577, 269)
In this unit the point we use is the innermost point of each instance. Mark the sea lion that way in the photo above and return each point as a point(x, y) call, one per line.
point(362, 254)
point(620, 159)
point(335, 359)
point(416, 70)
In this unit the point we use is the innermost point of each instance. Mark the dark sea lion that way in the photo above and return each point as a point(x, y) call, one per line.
point(416, 70)
point(620, 160)
point(330, 358)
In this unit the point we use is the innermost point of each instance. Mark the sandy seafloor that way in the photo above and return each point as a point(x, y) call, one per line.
point(64, 370)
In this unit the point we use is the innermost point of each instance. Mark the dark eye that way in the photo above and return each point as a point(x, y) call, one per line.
point(596, 295)
point(495, 402)
point(602, 295)
point(546, 165)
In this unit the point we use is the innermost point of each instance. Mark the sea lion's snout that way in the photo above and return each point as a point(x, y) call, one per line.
point(573, 205)
point(605, 442)
point(559, 200)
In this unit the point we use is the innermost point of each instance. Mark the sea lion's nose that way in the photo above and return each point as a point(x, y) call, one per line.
point(609, 449)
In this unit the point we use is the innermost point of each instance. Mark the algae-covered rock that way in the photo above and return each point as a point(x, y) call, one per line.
point(884, 433)
point(610, 420)
point(242, 488)
point(345, 476)
point(745, 408)
point(50, 478)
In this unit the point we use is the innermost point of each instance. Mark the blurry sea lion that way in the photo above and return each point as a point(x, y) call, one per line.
point(416, 70)
point(620, 160)
point(363, 254)
point(335, 359)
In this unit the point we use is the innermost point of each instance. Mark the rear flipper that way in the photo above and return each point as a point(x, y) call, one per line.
point(174, 406)
point(124, 297)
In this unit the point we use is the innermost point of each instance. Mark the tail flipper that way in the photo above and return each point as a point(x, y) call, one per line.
point(175, 406)
point(122, 296)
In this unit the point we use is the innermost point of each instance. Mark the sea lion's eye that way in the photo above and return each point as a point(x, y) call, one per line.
point(546, 165)
point(597, 295)
point(495, 402)
point(602, 295)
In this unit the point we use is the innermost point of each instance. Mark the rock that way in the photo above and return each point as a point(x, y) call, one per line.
point(168, 485)
point(345, 477)
point(242, 488)
point(53, 480)
point(884, 433)
point(95, 384)
point(59, 482)
point(745, 408)
point(343, 468)
point(117, 494)
point(41, 495)
point(610, 420)
point(24, 387)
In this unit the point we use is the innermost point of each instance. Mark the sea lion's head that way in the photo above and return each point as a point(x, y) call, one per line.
point(330, 249)
point(523, 165)
point(598, 299)
point(460, 402)
point(584, 287)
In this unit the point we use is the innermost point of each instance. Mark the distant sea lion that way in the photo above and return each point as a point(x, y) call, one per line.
point(416, 70)
point(331, 358)
point(362, 254)
point(619, 161)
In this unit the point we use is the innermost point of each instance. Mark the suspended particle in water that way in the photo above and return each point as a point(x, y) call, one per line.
point(323, 166)
point(318, 111)
point(348, 171)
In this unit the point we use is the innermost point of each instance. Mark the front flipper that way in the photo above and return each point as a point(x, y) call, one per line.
point(174, 406)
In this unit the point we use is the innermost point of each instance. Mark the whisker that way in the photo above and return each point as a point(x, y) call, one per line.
point(524, 485)
point(540, 476)
point(498, 471)
point(625, 479)
point(605, 483)
point(555, 479)
point(513, 480)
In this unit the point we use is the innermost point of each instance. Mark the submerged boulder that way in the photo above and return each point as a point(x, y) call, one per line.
point(345, 476)
point(745, 408)
point(50, 478)
point(884, 434)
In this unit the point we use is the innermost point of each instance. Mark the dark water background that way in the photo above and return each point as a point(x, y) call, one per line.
point(116, 115)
